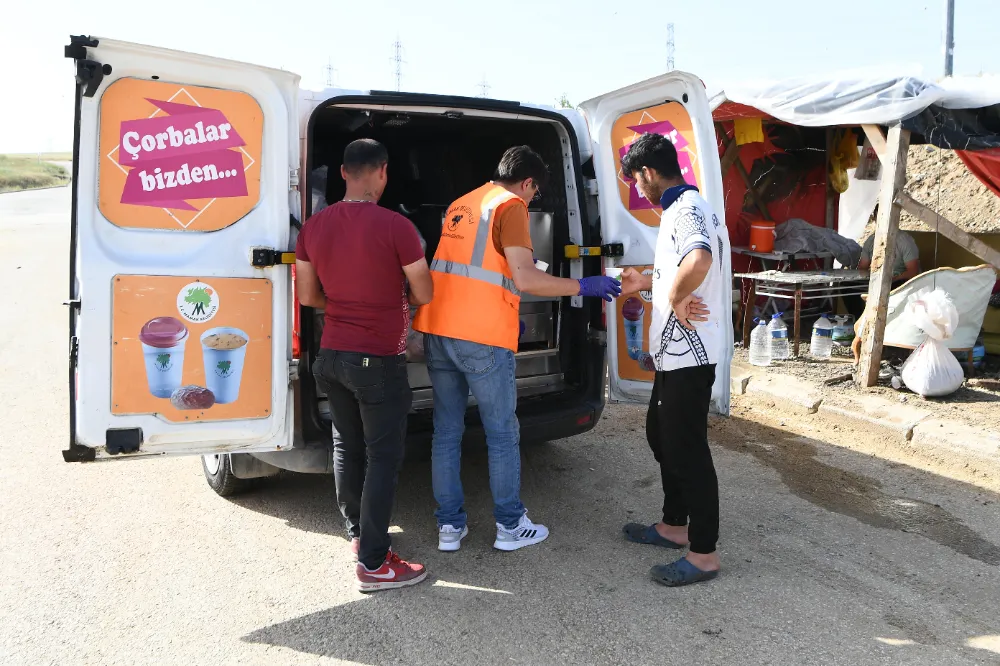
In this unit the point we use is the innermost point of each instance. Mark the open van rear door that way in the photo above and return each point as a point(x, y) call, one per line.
point(674, 105)
point(183, 171)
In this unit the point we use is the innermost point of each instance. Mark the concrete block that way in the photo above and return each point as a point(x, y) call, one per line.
point(738, 384)
point(877, 410)
point(956, 436)
point(787, 389)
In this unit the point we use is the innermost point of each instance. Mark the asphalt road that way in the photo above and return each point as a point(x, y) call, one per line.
point(830, 556)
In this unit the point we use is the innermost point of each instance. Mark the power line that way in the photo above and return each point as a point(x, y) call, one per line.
point(670, 47)
point(397, 58)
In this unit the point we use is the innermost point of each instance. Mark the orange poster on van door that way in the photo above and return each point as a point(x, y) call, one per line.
point(634, 313)
point(670, 120)
point(178, 157)
point(191, 349)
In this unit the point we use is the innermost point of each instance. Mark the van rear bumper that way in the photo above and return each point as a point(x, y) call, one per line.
point(542, 422)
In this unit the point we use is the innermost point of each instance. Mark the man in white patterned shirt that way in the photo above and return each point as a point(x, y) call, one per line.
point(691, 293)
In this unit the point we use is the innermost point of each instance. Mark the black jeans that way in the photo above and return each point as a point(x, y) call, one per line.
point(369, 399)
point(677, 432)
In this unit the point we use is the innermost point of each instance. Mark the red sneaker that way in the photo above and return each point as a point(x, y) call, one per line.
point(355, 547)
point(394, 572)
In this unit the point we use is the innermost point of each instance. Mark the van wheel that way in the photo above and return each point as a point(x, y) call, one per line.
point(219, 474)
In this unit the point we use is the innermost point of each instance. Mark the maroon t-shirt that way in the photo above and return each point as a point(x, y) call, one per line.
point(358, 251)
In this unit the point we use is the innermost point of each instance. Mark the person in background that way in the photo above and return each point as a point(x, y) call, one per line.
point(354, 260)
point(691, 302)
point(906, 261)
point(905, 265)
point(482, 265)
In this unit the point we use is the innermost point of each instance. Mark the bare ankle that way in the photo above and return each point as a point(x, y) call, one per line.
point(705, 561)
point(676, 533)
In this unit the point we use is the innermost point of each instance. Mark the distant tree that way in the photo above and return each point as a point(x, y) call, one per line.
point(564, 102)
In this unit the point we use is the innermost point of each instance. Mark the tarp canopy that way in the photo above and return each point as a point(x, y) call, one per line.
point(955, 113)
point(859, 97)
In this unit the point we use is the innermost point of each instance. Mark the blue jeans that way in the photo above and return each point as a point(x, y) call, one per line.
point(455, 368)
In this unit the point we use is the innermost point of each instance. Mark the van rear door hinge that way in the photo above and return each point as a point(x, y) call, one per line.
point(262, 257)
point(293, 179)
point(607, 250)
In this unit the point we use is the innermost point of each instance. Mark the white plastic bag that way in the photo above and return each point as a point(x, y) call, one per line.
point(932, 370)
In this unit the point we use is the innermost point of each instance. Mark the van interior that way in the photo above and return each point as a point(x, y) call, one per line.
point(436, 156)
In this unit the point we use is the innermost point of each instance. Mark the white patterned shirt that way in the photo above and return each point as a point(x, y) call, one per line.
point(687, 224)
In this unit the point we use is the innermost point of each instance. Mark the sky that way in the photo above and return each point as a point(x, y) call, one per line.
point(527, 51)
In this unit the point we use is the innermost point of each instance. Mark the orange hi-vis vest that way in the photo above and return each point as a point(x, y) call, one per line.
point(474, 294)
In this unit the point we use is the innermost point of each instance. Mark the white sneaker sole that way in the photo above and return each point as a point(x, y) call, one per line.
point(390, 584)
point(454, 545)
point(520, 543)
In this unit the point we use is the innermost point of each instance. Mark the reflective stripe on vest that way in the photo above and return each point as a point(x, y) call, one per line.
point(474, 269)
point(475, 273)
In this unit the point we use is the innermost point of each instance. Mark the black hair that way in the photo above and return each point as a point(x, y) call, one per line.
point(364, 155)
point(520, 163)
point(654, 151)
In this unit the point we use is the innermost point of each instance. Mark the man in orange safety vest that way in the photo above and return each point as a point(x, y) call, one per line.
point(482, 265)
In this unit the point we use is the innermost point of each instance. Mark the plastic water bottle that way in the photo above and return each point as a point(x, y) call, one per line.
point(760, 346)
point(821, 344)
point(779, 338)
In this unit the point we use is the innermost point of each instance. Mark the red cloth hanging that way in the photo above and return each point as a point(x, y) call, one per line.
point(984, 165)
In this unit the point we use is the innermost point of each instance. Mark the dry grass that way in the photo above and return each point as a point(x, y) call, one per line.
point(28, 173)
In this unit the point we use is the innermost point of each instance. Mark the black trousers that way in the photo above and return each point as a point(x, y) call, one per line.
point(370, 398)
point(677, 432)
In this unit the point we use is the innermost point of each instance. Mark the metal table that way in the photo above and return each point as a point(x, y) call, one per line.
point(780, 260)
point(793, 286)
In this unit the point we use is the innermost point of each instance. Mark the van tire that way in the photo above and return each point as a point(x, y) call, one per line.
point(220, 477)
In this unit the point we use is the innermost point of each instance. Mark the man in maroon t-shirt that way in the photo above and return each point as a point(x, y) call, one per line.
point(354, 260)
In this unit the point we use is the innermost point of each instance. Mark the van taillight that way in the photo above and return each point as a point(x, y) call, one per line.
point(296, 343)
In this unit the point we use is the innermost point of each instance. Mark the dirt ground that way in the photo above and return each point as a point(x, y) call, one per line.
point(977, 402)
point(939, 179)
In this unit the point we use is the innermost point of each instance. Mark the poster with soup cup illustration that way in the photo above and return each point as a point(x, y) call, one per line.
point(191, 349)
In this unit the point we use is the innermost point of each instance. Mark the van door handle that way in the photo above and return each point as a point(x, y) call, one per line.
point(263, 257)
point(608, 250)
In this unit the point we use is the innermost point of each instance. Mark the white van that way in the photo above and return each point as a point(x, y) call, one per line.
point(191, 178)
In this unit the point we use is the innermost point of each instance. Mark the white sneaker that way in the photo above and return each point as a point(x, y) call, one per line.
point(450, 538)
point(526, 533)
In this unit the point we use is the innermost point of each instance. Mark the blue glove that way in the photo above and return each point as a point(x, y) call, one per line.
point(521, 331)
point(600, 286)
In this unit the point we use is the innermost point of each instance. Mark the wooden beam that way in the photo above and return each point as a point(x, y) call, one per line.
point(948, 229)
point(729, 143)
point(831, 194)
point(729, 157)
point(883, 255)
point(877, 139)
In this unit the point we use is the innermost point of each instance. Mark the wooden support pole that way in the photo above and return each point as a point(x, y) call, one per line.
point(948, 229)
point(883, 255)
point(831, 194)
point(876, 138)
point(729, 157)
point(748, 313)
point(797, 322)
point(729, 143)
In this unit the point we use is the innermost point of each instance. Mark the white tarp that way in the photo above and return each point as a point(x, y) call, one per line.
point(860, 97)
point(856, 206)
